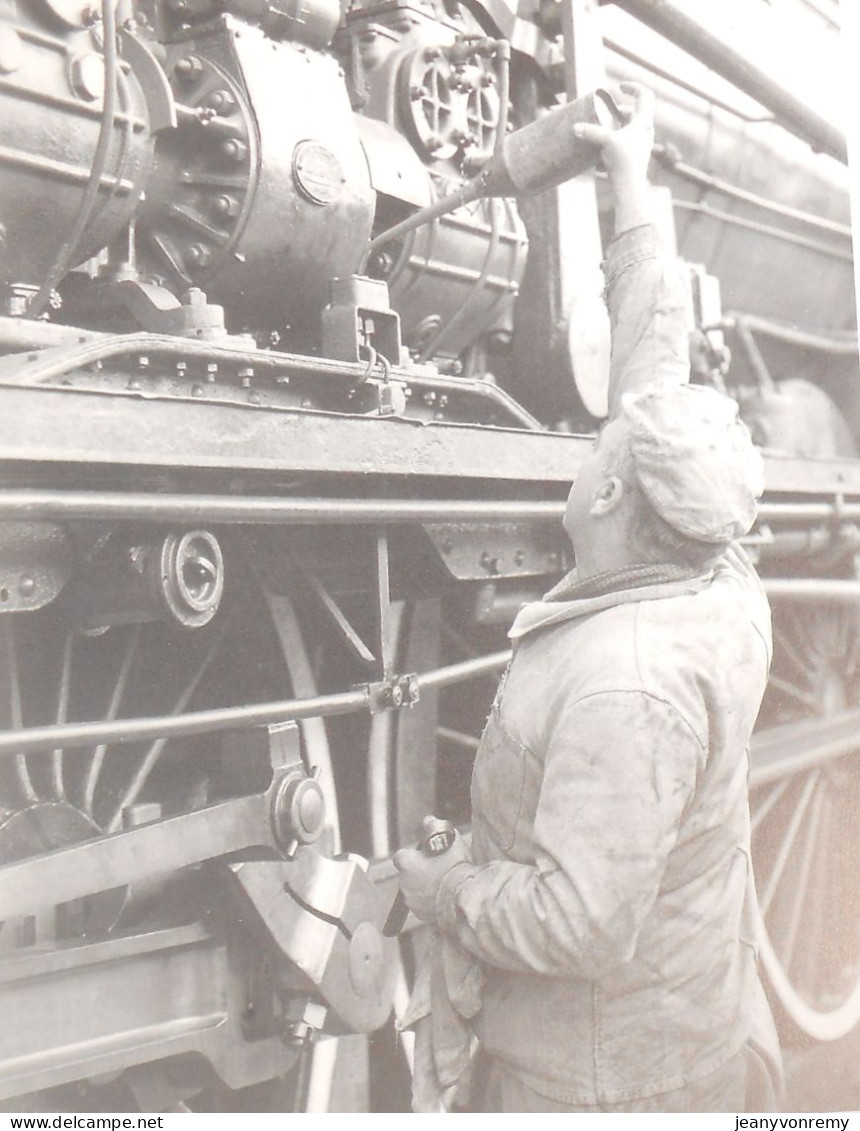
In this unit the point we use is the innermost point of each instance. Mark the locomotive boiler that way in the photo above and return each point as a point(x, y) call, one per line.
point(290, 401)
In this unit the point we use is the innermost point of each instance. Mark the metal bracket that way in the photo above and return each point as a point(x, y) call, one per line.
point(360, 317)
point(393, 693)
point(325, 917)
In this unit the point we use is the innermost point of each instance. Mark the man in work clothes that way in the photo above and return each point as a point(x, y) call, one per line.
point(607, 892)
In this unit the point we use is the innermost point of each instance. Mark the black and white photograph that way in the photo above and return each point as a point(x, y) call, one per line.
point(429, 560)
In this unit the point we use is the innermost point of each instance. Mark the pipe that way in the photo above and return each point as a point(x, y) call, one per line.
point(665, 17)
point(533, 159)
point(460, 673)
point(151, 506)
point(763, 229)
point(114, 733)
point(142, 506)
point(812, 589)
point(754, 356)
point(473, 190)
point(682, 84)
point(117, 732)
point(843, 344)
point(726, 188)
point(807, 512)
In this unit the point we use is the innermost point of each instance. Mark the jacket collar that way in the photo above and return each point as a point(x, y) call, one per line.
point(573, 598)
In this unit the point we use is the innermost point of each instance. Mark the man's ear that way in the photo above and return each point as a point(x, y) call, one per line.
point(607, 497)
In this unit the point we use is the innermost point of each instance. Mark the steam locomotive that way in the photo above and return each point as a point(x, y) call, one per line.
point(288, 414)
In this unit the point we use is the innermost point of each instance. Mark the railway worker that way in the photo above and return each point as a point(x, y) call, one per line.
point(607, 892)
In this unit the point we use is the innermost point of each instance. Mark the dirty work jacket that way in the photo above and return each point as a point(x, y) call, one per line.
point(609, 894)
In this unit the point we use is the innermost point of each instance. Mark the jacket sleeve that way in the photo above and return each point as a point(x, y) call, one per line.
point(621, 767)
point(647, 298)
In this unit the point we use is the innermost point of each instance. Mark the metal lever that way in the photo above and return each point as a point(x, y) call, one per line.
point(437, 836)
point(275, 821)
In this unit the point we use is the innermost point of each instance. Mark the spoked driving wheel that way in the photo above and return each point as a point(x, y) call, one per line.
point(806, 838)
point(54, 669)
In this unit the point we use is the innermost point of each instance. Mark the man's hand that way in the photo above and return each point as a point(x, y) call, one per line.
point(421, 875)
point(626, 153)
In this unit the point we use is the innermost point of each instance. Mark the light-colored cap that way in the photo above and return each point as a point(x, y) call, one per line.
point(694, 460)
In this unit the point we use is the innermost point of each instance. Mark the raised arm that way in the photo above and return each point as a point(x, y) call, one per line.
point(645, 289)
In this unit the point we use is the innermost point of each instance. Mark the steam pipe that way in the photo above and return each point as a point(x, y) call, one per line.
point(665, 17)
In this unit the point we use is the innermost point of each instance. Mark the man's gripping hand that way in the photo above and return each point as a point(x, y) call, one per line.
point(421, 875)
point(626, 153)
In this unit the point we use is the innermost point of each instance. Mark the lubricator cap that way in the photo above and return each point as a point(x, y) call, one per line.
point(694, 459)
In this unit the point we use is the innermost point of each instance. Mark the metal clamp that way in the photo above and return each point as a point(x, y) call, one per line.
point(394, 693)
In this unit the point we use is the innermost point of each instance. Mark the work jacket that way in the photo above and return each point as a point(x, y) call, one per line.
point(609, 896)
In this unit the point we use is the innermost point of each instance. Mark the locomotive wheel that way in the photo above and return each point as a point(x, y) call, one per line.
point(253, 651)
point(806, 842)
point(401, 788)
point(420, 762)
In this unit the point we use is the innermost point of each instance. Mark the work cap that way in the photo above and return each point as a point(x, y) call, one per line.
point(694, 460)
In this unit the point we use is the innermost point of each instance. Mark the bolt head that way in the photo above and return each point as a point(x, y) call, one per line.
point(88, 76)
point(234, 149)
point(188, 68)
point(199, 254)
point(224, 205)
